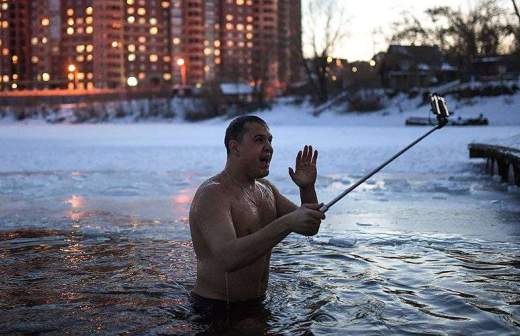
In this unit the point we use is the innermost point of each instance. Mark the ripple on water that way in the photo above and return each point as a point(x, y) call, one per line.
point(109, 282)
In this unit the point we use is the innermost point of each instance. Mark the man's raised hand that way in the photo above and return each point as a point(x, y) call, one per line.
point(305, 173)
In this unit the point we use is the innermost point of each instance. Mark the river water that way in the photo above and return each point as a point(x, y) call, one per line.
point(94, 236)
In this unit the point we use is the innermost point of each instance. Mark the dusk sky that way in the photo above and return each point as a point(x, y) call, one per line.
point(369, 15)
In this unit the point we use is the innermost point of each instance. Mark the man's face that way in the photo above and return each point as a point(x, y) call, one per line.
point(256, 150)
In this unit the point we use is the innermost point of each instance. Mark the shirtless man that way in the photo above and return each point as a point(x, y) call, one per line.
point(237, 216)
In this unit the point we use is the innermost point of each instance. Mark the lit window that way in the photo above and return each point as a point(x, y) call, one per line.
point(89, 11)
point(70, 31)
point(70, 21)
point(141, 75)
point(14, 85)
point(5, 6)
point(249, 27)
point(70, 76)
point(81, 75)
point(130, 10)
point(142, 20)
point(153, 58)
point(229, 26)
point(176, 40)
point(207, 51)
point(131, 47)
point(217, 43)
point(44, 40)
point(88, 20)
point(6, 78)
point(142, 48)
point(217, 52)
point(141, 39)
point(240, 26)
point(14, 59)
point(130, 2)
point(249, 19)
point(89, 30)
point(34, 41)
point(217, 60)
point(5, 51)
point(154, 30)
point(89, 48)
point(141, 11)
point(167, 76)
point(241, 44)
point(90, 86)
point(80, 48)
point(90, 75)
point(5, 24)
point(131, 57)
point(80, 58)
point(15, 76)
point(46, 77)
point(115, 44)
point(165, 4)
point(240, 2)
point(206, 68)
point(229, 17)
point(70, 12)
point(230, 43)
point(45, 22)
point(153, 21)
point(89, 57)
point(131, 81)
point(167, 59)
point(250, 44)
point(354, 69)
point(130, 19)
point(249, 36)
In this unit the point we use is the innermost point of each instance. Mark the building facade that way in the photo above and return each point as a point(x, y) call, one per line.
point(108, 44)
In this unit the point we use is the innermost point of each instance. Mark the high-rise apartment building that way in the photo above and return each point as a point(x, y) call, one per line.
point(15, 66)
point(82, 44)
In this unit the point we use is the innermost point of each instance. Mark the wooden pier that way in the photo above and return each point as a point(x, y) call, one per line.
point(500, 160)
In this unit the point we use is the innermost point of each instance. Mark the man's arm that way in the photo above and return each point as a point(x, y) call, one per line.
point(212, 216)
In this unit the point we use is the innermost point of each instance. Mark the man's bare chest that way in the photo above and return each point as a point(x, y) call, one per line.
point(252, 211)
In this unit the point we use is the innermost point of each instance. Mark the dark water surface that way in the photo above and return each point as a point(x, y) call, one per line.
point(109, 252)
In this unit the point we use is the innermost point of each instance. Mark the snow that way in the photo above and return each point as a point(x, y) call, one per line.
point(349, 142)
point(235, 89)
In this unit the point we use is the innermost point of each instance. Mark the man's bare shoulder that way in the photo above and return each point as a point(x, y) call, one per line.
point(266, 183)
point(210, 191)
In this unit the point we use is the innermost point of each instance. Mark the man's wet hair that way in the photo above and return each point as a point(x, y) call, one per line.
point(237, 128)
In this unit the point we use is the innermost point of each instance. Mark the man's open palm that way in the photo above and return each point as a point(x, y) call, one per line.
point(305, 174)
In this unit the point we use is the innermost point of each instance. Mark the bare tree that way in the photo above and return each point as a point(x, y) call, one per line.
point(479, 32)
point(324, 29)
point(515, 29)
point(517, 12)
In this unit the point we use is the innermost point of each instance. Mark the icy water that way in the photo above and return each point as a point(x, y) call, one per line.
point(94, 237)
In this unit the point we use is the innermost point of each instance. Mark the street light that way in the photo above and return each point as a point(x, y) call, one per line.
point(182, 65)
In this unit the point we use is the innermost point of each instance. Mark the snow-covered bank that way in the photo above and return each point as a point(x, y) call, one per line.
point(500, 111)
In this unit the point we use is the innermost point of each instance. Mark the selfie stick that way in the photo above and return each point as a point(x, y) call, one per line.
point(439, 108)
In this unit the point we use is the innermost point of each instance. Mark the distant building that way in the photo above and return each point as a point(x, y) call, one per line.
point(500, 67)
point(15, 66)
point(82, 44)
point(405, 67)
